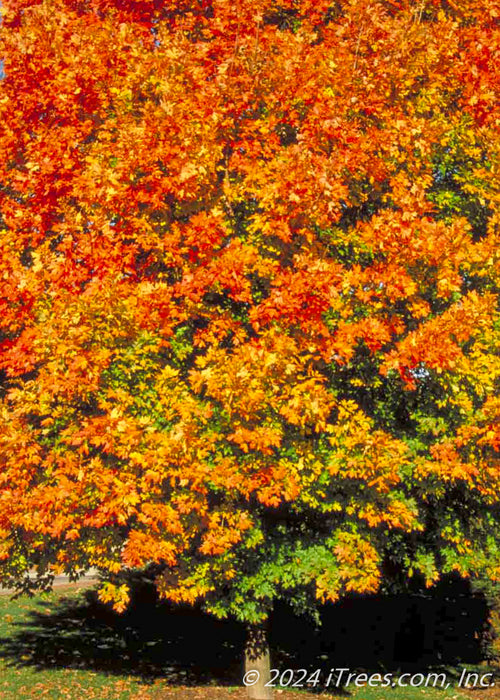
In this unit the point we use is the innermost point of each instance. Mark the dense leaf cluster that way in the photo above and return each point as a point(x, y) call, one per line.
point(249, 294)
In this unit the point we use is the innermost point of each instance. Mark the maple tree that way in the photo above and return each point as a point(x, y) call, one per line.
point(249, 310)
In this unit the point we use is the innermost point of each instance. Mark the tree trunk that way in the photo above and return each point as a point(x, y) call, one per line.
point(257, 663)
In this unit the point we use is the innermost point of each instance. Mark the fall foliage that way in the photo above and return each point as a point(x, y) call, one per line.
point(249, 294)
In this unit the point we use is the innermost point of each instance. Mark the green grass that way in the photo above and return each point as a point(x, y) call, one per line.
point(23, 676)
point(65, 645)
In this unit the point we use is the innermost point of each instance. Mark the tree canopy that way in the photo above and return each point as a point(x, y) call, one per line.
point(249, 295)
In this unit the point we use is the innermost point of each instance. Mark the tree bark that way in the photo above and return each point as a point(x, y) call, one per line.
point(257, 662)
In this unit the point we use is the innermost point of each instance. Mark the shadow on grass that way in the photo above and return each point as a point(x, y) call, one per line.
point(188, 647)
point(149, 640)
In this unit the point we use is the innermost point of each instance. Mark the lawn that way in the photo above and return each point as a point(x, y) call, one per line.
point(65, 645)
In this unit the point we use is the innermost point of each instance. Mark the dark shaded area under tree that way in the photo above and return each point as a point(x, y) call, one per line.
point(444, 626)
